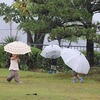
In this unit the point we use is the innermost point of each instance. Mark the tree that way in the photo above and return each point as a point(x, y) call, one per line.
point(92, 6)
point(61, 18)
point(57, 14)
point(21, 12)
point(61, 12)
point(11, 13)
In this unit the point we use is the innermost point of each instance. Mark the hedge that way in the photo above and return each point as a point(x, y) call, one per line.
point(34, 60)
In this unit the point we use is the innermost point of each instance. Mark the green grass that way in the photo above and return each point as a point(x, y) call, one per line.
point(48, 87)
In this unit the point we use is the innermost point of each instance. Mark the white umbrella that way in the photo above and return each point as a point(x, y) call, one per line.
point(51, 51)
point(75, 60)
point(17, 47)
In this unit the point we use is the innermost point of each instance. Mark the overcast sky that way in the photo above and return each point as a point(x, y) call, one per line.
point(9, 2)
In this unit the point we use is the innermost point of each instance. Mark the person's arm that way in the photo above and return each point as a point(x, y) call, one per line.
point(13, 57)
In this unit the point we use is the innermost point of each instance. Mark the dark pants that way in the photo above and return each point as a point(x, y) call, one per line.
point(13, 74)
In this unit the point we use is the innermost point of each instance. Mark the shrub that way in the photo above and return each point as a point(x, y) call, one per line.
point(30, 59)
point(97, 58)
point(3, 56)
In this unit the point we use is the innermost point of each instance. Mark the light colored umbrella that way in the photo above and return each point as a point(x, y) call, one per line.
point(51, 51)
point(17, 47)
point(75, 60)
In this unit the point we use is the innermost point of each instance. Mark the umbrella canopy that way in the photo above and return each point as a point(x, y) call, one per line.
point(17, 47)
point(75, 60)
point(51, 51)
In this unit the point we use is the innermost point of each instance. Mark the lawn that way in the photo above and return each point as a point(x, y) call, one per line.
point(48, 87)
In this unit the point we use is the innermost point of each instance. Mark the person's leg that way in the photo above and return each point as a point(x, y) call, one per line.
point(54, 67)
point(16, 76)
point(51, 70)
point(80, 78)
point(74, 79)
point(55, 71)
point(11, 76)
point(74, 76)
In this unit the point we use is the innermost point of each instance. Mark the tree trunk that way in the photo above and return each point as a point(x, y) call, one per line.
point(59, 41)
point(29, 38)
point(38, 40)
point(90, 52)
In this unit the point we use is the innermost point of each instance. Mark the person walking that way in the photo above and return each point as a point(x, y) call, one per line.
point(75, 76)
point(14, 68)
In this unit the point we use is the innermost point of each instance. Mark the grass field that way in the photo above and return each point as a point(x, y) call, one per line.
point(48, 87)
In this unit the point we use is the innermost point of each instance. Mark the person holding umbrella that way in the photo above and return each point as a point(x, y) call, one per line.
point(15, 48)
point(77, 61)
point(14, 68)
